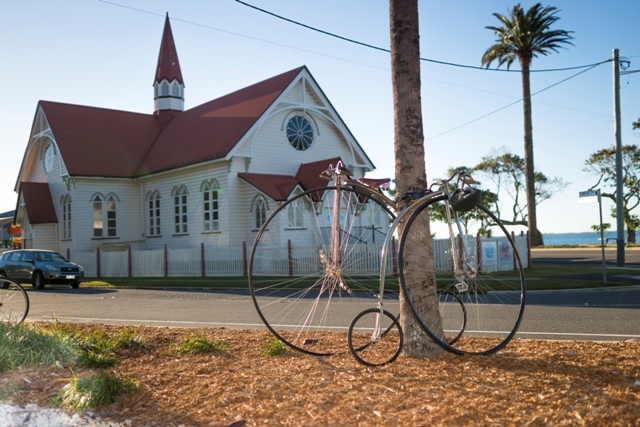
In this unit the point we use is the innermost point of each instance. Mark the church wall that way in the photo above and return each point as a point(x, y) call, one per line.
point(192, 179)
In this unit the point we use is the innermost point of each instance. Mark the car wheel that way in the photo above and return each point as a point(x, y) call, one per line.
point(75, 285)
point(3, 275)
point(38, 280)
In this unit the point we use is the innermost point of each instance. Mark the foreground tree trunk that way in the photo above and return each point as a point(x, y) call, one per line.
point(410, 168)
point(536, 236)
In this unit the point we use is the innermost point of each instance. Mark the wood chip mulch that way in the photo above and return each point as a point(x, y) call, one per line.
point(529, 383)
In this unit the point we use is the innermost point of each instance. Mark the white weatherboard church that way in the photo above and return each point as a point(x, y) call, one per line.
point(95, 180)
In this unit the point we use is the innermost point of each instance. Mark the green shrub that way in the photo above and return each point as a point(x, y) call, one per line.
point(273, 347)
point(195, 344)
point(93, 392)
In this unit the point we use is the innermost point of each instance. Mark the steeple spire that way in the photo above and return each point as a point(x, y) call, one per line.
point(168, 86)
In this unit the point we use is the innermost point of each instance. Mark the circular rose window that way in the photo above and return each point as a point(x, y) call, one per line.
point(299, 133)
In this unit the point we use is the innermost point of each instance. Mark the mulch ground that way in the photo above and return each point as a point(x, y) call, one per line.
point(529, 383)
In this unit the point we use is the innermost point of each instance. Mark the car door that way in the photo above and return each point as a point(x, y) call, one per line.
point(12, 264)
point(27, 265)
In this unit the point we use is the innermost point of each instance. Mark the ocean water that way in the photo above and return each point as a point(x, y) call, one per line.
point(580, 238)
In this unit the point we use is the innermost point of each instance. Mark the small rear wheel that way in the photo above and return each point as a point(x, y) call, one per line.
point(38, 280)
point(375, 338)
point(14, 303)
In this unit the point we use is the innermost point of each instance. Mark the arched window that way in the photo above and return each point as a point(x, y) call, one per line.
point(210, 203)
point(261, 212)
point(164, 89)
point(295, 214)
point(66, 216)
point(104, 215)
point(153, 203)
point(175, 89)
point(180, 209)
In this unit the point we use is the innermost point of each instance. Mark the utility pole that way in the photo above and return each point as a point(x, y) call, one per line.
point(619, 172)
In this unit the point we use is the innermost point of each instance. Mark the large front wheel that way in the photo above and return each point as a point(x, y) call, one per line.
point(309, 280)
point(480, 267)
point(14, 302)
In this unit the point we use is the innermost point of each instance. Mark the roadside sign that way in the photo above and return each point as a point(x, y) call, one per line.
point(588, 193)
point(588, 196)
point(592, 196)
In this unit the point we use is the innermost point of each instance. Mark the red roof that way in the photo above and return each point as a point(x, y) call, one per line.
point(211, 130)
point(100, 142)
point(309, 173)
point(279, 187)
point(110, 143)
point(38, 202)
point(168, 64)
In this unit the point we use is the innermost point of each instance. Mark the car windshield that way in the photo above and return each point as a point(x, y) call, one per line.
point(49, 257)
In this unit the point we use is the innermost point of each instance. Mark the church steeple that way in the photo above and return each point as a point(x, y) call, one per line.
point(168, 86)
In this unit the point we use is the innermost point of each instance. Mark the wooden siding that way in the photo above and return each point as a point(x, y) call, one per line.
point(192, 180)
point(44, 236)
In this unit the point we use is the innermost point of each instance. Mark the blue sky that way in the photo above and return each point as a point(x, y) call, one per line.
point(96, 53)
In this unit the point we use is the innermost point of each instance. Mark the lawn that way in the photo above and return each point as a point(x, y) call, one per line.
point(538, 277)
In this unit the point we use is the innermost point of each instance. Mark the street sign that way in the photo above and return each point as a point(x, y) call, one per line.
point(589, 196)
point(588, 193)
point(592, 196)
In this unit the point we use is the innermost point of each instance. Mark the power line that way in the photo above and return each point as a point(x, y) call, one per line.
point(509, 105)
point(422, 59)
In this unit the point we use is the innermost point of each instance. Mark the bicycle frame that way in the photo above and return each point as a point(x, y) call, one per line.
point(341, 178)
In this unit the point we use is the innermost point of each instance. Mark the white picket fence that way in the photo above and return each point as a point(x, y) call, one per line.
point(495, 255)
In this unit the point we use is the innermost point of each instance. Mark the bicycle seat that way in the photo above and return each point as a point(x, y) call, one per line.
point(464, 201)
point(380, 183)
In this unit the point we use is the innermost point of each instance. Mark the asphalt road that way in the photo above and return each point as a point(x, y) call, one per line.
point(585, 255)
point(599, 314)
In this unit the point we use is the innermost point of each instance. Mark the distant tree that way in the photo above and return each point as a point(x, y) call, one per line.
point(605, 227)
point(525, 35)
point(636, 125)
point(603, 164)
point(507, 173)
point(479, 219)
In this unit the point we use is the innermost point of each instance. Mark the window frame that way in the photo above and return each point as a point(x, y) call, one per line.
point(210, 206)
point(180, 210)
point(105, 216)
point(66, 217)
point(154, 216)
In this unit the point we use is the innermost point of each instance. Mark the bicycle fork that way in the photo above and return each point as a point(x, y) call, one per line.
point(459, 255)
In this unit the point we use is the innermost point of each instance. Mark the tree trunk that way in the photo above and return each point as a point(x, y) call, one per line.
point(529, 171)
point(410, 167)
point(631, 235)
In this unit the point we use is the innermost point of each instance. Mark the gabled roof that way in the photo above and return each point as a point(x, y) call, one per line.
point(111, 143)
point(309, 173)
point(211, 130)
point(168, 64)
point(279, 187)
point(100, 142)
point(38, 202)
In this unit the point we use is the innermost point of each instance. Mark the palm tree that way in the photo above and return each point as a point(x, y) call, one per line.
point(525, 35)
point(410, 167)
